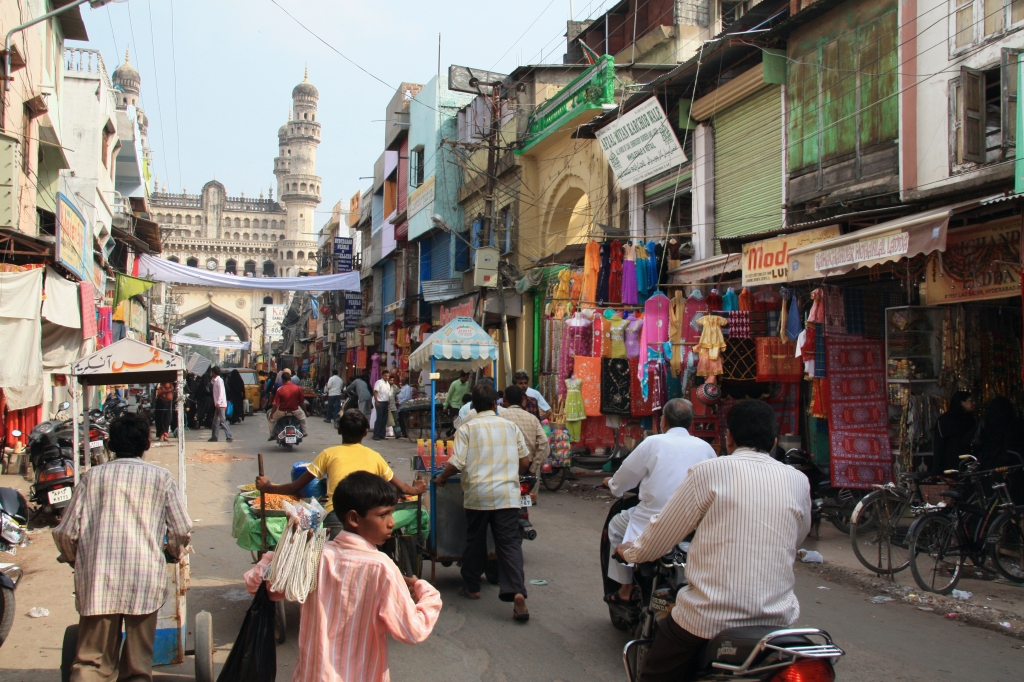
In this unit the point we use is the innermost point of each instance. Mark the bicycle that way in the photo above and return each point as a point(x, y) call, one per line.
point(879, 524)
point(941, 542)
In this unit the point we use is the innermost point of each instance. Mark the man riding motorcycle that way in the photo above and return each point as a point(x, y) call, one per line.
point(750, 513)
point(658, 465)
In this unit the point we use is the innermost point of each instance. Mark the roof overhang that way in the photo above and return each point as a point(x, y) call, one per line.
point(71, 23)
point(696, 272)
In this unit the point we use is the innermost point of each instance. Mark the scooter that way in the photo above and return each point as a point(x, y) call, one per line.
point(289, 432)
point(51, 455)
point(13, 519)
point(553, 475)
point(834, 504)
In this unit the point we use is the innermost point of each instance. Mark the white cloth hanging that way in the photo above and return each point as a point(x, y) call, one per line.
point(62, 303)
point(20, 331)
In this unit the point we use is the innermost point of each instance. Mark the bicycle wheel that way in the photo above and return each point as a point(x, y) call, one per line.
point(879, 533)
point(1006, 538)
point(936, 556)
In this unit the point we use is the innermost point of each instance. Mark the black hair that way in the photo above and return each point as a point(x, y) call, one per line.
point(753, 424)
point(129, 436)
point(353, 426)
point(285, 374)
point(678, 412)
point(484, 397)
point(215, 370)
point(513, 395)
point(362, 491)
point(335, 371)
point(467, 398)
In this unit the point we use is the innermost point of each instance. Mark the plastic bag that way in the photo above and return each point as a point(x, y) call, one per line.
point(253, 657)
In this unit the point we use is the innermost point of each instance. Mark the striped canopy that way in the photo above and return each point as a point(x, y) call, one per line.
point(460, 344)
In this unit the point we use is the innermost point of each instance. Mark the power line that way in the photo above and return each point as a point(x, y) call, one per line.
point(156, 80)
point(174, 63)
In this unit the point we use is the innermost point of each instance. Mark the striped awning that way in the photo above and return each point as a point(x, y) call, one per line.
point(460, 344)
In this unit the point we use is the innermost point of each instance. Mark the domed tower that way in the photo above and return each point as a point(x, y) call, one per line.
point(298, 186)
point(127, 80)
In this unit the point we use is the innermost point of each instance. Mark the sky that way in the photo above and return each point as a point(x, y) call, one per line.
point(217, 75)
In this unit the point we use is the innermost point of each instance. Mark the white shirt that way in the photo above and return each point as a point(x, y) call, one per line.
point(751, 513)
point(334, 385)
point(542, 404)
point(658, 465)
point(404, 394)
point(219, 397)
point(382, 391)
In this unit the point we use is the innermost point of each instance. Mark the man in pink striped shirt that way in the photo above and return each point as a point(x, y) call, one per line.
point(361, 596)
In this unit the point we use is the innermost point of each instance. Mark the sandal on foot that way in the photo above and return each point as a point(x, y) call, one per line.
point(523, 616)
point(463, 592)
point(614, 598)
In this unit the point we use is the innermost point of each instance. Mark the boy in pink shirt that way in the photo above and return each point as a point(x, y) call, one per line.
point(361, 596)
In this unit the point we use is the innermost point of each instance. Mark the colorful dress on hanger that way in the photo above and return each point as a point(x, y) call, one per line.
point(588, 370)
point(615, 276)
point(629, 290)
point(641, 271)
point(711, 345)
point(597, 346)
point(374, 368)
point(676, 312)
point(604, 275)
point(615, 395)
point(656, 316)
point(575, 412)
point(617, 337)
point(578, 339)
point(746, 300)
point(576, 288)
point(633, 330)
point(640, 406)
point(730, 301)
point(591, 271)
point(714, 300)
point(561, 292)
point(652, 267)
point(696, 308)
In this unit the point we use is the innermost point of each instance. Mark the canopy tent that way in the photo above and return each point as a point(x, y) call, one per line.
point(210, 343)
point(127, 362)
point(460, 344)
point(168, 271)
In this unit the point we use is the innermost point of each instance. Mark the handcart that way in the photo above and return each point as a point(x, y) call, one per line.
point(462, 344)
point(132, 362)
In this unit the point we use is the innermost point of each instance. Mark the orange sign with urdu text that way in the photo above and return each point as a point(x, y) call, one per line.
point(980, 262)
point(767, 261)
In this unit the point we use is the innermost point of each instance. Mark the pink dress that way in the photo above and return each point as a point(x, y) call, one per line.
point(656, 316)
point(633, 331)
point(578, 339)
point(629, 290)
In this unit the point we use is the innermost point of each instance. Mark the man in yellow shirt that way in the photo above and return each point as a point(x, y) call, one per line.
point(338, 462)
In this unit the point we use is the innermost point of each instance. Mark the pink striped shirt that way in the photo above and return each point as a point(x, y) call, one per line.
point(360, 599)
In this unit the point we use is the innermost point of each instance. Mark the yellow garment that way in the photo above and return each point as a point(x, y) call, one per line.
point(711, 338)
point(617, 336)
point(561, 292)
point(341, 460)
point(576, 289)
point(675, 331)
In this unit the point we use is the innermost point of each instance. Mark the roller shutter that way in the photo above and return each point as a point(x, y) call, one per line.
point(440, 256)
point(748, 165)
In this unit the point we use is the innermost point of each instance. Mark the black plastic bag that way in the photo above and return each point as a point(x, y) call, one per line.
point(253, 658)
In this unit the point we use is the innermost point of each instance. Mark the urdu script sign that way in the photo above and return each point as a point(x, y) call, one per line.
point(641, 144)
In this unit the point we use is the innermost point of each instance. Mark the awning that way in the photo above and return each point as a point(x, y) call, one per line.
point(893, 240)
point(127, 362)
point(697, 271)
point(460, 344)
point(439, 290)
point(168, 271)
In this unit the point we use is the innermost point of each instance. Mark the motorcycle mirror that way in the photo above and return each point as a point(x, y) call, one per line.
point(966, 456)
point(16, 433)
point(65, 405)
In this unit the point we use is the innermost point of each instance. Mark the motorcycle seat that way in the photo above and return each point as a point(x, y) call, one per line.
point(951, 494)
point(734, 645)
point(916, 475)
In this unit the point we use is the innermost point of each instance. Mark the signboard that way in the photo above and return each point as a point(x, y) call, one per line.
point(353, 309)
point(72, 248)
point(343, 254)
point(273, 316)
point(421, 197)
point(641, 144)
point(474, 81)
point(137, 317)
point(464, 307)
point(767, 261)
point(394, 306)
point(876, 248)
point(126, 357)
point(980, 262)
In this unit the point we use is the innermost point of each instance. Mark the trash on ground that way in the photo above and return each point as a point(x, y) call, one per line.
point(962, 595)
point(810, 557)
point(954, 616)
point(1005, 623)
point(880, 599)
point(38, 612)
point(822, 587)
point(925, 608)
point(538, 582)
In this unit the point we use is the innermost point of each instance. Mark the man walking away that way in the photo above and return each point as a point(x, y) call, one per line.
point(381, 401)
point(393, 406)
point(113, 535)
point(361, 385)
point(658, 466)
point(404, 396)
point(750, 513)
point(287, 403)
point(220, 406)
point(334, 388)
point(533, 432)
point(491, 453)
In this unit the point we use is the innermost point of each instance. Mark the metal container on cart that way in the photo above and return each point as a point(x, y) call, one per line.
point(134, 362)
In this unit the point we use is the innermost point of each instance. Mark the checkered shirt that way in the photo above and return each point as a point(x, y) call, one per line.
point(487, 452)
point(113, 533)
point(533, 433)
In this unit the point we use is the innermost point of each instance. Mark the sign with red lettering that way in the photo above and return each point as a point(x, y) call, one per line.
point(980, 262)
point(767, 261)
point(463, 307)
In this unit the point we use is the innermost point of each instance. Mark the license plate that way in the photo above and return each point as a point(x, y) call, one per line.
point(59, 495)
point(290, 439)
point(525, 501)
point(95, 444)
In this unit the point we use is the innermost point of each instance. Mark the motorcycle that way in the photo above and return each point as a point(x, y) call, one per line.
point(51, 456)
point(766, 653)
point(289, 432)
point(114, 407)
point(13, 519)
point(553, 474)
point(833, 504)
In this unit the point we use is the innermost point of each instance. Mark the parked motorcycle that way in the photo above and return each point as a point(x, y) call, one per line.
point(289, 432)
point(114, 407)
point(834, 504)
point(51, 454)
point(553, 475)
point(13, 520)
point(766, 653)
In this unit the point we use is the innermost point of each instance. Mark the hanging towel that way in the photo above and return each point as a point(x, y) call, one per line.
point(20, 328)
point(85, 293)
point(61, 305)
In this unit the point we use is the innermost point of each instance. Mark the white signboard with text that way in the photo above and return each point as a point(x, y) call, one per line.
point(641, 144)
point(273, 317)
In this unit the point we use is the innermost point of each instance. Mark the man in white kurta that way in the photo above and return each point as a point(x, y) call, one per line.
point(658, 465)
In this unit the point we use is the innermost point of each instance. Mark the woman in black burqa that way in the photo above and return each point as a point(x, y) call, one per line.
point(204, 400)
point(234, 389)
point(999, 442)
point(953, 433)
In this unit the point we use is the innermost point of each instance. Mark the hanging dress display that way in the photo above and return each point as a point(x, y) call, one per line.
point(730, 301)
point(588, 370)
point(633, 330)
point(591, 271)
point(746, 300)
point(617, 337)
point(576, 286)
point(615, 274)
point(561, 292)
point(714, 301)
point(604, 274)
point(575, 412)
point(598, 335)
point(615, 394)
point(676, 312)
point(641, 271)
point(710, 346)
point(629, 290)
point(652, 267)
point(640, 405)
point(656, 316)
point(577, 339)
point(696, 308)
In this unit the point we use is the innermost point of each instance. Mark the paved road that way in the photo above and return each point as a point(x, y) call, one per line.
point(568, 637)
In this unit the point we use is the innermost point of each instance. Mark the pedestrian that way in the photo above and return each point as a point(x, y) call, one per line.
point(335, 463)
point(204, 400)
point(393, 406)
point(381, 401)
point(361, 386)
point(535, 402)
point(220, 406)
point(404, 396)
point(491, 453)
point(953, 433)
point(123, 518)
point(536, 439)
point(287, 403)
point(164, 404)
point(334, 388)
point(235, 389)
point(453, 401)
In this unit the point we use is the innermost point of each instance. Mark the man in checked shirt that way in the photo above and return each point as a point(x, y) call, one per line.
point(124, 516)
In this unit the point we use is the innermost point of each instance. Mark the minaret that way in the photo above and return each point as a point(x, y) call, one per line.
point(298, 186)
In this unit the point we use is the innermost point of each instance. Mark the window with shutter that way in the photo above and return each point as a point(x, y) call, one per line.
point(461, 255)
point(972, 115)
point(425, 261)
point(1009, 78)
point(478, 226)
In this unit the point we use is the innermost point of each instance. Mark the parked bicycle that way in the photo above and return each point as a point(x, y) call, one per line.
point(979, 522)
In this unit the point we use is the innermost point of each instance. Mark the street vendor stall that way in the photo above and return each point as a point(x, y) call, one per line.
point(132, 362)
point(461, 344)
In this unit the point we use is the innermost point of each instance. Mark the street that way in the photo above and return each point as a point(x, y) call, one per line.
point(569, 636)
